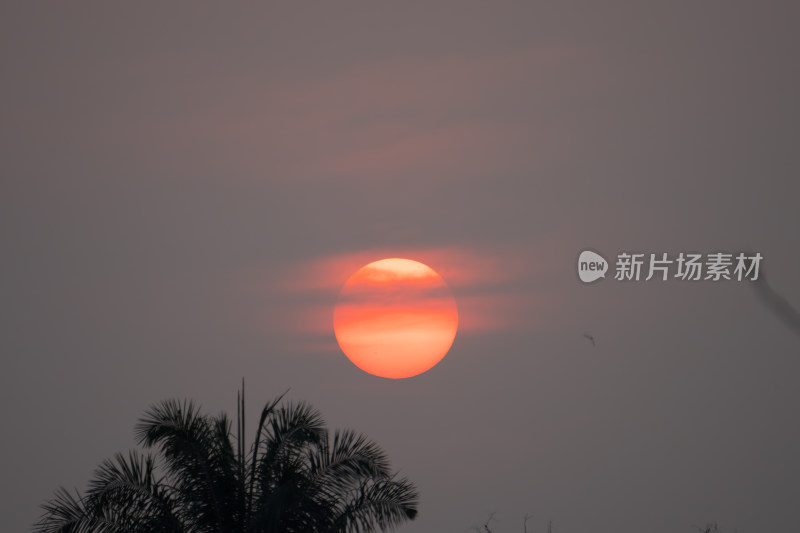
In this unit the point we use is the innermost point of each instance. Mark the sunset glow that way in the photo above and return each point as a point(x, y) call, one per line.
point(395, 318)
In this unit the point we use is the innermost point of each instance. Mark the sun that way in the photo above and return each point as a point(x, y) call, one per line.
point(395, 318)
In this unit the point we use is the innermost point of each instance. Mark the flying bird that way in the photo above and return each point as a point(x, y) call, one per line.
point(591, 338)
point(776, 303)
point(771, 299)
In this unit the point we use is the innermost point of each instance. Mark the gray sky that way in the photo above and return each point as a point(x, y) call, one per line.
point(185, 187)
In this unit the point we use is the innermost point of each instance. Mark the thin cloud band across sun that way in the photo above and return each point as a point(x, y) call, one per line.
point(395, 318)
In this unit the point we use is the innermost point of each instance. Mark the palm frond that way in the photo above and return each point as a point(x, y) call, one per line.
point(128, 487)
point(188, 441)
point(288, 433)
point(383, 504)
point(265, 414)
point(66, 513)
point(338, 468)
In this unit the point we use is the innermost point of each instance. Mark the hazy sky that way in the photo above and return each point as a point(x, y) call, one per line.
point(185, 187)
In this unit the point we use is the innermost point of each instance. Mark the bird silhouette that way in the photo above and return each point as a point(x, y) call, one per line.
point(591, 338)
point(771, 299)
point(776, 303)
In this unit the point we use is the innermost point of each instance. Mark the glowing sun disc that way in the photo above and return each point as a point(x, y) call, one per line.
point(395, 318)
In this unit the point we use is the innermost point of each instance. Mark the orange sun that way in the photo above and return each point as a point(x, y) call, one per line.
point(395, 318)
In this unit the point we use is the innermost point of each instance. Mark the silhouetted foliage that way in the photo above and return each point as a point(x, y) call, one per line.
point(294, 478)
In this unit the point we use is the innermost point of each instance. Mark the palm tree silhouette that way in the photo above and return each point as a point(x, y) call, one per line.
point(294, 478)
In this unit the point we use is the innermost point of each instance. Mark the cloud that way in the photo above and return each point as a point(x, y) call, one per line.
point(407, 118)
point(491, 285)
